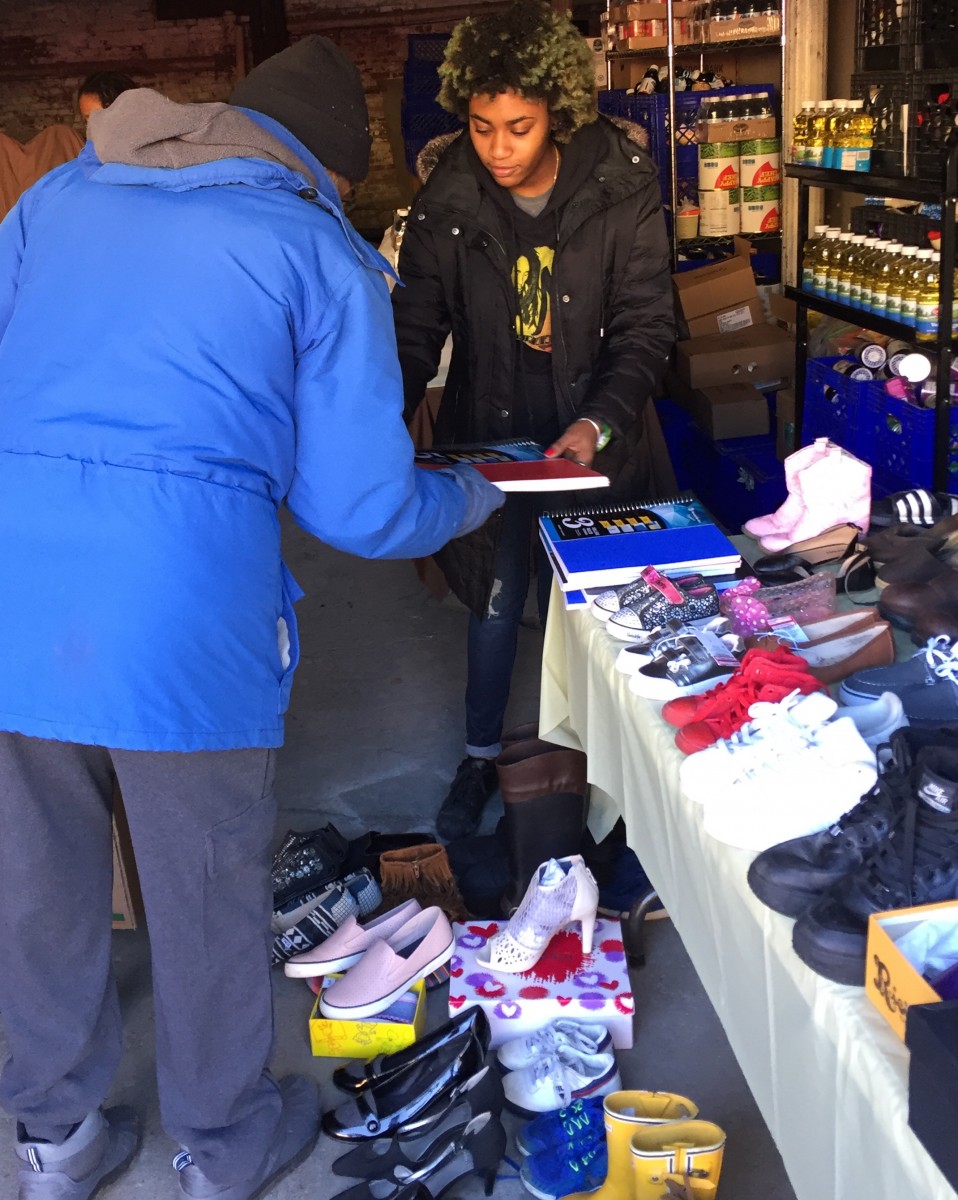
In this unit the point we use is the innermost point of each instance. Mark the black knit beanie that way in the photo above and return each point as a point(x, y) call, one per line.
point(314, 90)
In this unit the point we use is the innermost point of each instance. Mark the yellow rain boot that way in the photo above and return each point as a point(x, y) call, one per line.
point(686, 1187)
point(678, 1149)
point(625, 1112)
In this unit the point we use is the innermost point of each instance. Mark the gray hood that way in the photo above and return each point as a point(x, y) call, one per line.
point(142, 128)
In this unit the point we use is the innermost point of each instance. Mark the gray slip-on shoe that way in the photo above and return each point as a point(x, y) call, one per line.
point(95, 1153)
point(295, 1137)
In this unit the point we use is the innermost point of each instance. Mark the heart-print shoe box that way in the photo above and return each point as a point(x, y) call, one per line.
point(564, 983)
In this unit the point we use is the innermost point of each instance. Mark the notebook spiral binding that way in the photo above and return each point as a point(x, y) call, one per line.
point(605, 510)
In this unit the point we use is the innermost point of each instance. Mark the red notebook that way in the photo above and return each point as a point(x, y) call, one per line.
point(516, 466)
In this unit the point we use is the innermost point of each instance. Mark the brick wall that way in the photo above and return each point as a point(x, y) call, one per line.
point(48, 46)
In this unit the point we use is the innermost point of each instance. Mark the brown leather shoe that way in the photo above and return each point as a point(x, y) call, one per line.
point(833, 661)
point(924, 562)
point(889, 544)
point(935, 622)
point(904, 603)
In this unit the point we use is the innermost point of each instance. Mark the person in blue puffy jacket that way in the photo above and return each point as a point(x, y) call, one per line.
point(239, 356)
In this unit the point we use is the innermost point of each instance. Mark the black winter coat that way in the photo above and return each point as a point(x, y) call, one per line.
point(612, 321)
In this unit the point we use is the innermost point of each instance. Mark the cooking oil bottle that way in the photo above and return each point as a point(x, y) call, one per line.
point(837, 265)
point(823, 259)
point(858, 273)
point(898, 282)
point(860, 130)
point(818, 134)
point(850, 268)
point(926, 315)
point(801, 127)
point(881, 277)
point(812, 246)
point(833, 133)
point(909, 299)
point(869, 273)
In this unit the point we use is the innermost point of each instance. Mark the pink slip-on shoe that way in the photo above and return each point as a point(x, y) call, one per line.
point(389, 968)
point(349, 943)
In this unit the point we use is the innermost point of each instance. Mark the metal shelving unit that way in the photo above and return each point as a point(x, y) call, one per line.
point(944, 344)
point(703, 49)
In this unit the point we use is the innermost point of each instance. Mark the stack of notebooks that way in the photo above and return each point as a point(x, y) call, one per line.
point(516, 466)
point(595, 548)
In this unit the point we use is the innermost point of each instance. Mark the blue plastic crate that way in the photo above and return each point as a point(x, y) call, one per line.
point(677, 428)
point(422, 120)
point(736, 479)
point(898, 439)
point(426, 47)
point(836, 406)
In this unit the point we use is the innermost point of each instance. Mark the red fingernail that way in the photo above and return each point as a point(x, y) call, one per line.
point(550, 453)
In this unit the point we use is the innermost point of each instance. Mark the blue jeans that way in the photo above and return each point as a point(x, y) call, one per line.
point(492, 640)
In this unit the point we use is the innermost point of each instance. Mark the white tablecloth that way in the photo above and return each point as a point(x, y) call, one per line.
point(828, 1074)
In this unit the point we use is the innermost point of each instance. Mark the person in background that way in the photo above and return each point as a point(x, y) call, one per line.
point(100, 89)
point(147, 630)
point(538, 240)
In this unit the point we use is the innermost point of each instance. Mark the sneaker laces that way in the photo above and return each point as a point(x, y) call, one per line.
point(550, 1068)
point(920, 845)
point(941, 658)
point(773, 725)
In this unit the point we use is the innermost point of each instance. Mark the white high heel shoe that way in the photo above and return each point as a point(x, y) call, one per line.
point(562, 891)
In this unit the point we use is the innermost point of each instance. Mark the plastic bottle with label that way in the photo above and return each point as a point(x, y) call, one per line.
point(801, 127)
point(909, 298)
point(837, 265)
point(860, 135)
point(898, 283)
point(833, 132)
point(823, 260)
point(856, 276)
point(881, 278)
point(812, 246)
point(868, 269)
point(818, 134)
point(850, 268)
point(927, 300)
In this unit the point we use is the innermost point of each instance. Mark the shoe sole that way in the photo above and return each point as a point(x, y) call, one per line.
point(600, 1089)
point(374, 1007)
point(790, 902)
point(836, 967)
point(326, 967)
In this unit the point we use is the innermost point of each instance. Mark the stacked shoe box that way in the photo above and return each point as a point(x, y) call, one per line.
point(565, 983)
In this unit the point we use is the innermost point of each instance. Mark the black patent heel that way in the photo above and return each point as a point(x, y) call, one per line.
point(379, 1159)
point(480, 1093)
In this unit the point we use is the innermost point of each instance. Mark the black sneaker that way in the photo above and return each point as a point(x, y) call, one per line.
point(476, 780)
point(790, 877)
point(916, 863)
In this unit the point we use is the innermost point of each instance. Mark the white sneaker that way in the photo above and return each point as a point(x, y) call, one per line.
point(610, 600)
point(555, 1080)
point(877, 721)
point(795, 793)
point(577, 1035)
point(774, 730)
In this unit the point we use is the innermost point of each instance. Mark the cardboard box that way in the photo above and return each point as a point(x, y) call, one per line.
point(641, 43)
point(564, 983)
point(127, 901)
point(736, 131)
point(403, 1023)
point(762, 355)
point(784, 312)
point(740, 28)
point(731, 410)
point(741, 315)
point(785, 423)
point(932, 1037)
point(891, 982)
point(714, 288)
point(651, 12)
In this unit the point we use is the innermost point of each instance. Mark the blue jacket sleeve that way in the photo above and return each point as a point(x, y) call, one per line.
point(355, 485)
point(12, 242)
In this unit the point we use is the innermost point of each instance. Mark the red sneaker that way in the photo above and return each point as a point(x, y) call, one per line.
point(734, 712)
point(685, 709)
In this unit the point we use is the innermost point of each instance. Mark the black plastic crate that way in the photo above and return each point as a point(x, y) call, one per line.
point(885, 94)
point(422, 120)
point(426, 47)
point(933, 118)
point(881, 35)
point(936, 34)
point(870, 219)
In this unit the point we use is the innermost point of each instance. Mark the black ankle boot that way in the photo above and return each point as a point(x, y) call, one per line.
point(475, 782)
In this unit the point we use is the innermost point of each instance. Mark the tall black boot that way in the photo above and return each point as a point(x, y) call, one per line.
point(544, 796)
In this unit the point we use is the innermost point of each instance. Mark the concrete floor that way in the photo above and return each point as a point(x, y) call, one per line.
point(373, 737)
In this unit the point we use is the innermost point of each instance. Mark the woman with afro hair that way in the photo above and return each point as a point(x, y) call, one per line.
point(538, 242)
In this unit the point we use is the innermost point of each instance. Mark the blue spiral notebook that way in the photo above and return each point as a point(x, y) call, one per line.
point(609, 545)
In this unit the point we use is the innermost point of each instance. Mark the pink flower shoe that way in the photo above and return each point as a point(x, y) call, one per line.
point(349, 943)
point(388, 968)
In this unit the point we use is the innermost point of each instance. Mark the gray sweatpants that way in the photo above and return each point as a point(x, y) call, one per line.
point(201, 825)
